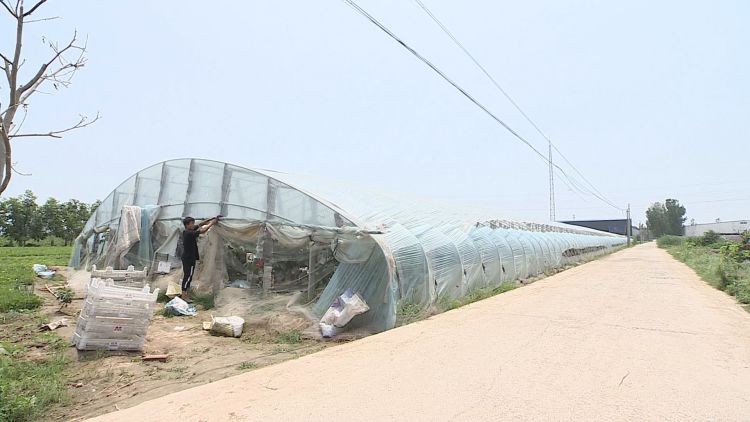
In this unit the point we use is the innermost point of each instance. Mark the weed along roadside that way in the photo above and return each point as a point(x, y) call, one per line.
point(724, 264)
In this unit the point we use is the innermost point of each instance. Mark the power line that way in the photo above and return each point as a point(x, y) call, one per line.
point(383, 28)
point(497, 85)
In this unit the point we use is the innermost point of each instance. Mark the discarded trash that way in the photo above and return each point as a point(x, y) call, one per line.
point(161, 358)
point(54, 325)
point(206, 325)
point(342, 310)
point(227, 326)
point(173, 289)
point(240, 284)
point(164, 267)
point(179, 328)
point(42, 271)
point(76, 385)
point(178, 306)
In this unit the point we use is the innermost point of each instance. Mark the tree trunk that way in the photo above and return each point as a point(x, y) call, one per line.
point(5, 159)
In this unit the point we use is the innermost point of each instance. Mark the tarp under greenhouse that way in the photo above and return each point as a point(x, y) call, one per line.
point(284, 233)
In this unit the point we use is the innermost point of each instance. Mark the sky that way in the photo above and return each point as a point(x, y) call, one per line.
point(649, 100)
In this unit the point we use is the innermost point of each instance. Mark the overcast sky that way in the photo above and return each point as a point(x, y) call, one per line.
point(648, 99)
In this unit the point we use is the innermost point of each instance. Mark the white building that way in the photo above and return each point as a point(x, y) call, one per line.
point(721, 227)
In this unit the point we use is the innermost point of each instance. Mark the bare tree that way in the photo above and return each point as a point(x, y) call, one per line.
point(57, 72)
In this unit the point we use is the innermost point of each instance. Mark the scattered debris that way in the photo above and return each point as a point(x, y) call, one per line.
point(164, 267)
point(161, 358)
point(54, 325)
point(240, 284)
point(42, 271)
point(76, 385)
point(177, 306)
point(179, 328)
point(206, 325)
point(173, 289)
point(227, 326)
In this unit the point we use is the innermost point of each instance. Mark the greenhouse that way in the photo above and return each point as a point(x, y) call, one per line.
point(282, 234)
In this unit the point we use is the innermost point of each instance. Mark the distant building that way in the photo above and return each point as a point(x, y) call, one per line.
point(725, 228)
point(610, 226)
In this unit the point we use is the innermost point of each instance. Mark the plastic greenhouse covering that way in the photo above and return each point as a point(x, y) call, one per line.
point(283, 233)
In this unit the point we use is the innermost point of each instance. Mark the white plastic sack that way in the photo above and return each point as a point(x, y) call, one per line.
point(342, 310)
point(227, 326)
point(178, 306)
point(42, 271)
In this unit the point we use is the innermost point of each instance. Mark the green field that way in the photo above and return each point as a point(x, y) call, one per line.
point(16, 272)
point(31, 362)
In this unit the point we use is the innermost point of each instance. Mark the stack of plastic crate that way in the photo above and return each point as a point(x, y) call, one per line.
point(129, 277)
point(114, 317)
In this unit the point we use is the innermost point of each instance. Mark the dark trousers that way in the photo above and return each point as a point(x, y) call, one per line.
point(188, 268)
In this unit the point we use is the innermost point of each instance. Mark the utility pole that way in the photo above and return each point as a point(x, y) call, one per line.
point(551, 185)
point(628, 229)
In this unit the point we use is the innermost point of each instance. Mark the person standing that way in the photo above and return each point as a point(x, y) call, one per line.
point(190, 250)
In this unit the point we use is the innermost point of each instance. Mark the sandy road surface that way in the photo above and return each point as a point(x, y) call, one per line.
point(633, 336)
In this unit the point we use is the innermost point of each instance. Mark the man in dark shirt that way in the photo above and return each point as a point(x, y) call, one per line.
point(190, 249)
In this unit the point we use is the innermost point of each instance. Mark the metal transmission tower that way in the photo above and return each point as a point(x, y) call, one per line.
point(551, 185)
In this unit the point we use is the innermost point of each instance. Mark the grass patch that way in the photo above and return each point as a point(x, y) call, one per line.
point(476, 295)
point(244, 366)
point(31, 367)
point(17, 277)
point(32, 364)
point(409, 312)
point(204, 300)
point(289, 337)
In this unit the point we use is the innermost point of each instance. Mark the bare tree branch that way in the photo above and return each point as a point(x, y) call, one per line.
point(57, 133)
point(35, 80)
point(42, 19)
point(8, 8)
point(36, 6)
point(58, 71)
point(13, 167)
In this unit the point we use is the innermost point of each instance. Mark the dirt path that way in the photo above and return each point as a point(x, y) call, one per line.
point(634, 336)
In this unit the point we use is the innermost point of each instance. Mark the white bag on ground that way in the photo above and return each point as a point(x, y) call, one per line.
point(178, 306)
point(342, 310)
point(227, 326)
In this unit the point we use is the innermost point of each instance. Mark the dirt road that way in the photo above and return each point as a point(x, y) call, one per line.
point(633, 336)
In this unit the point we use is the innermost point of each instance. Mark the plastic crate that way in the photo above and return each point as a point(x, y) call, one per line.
point(129, 274)
point(87, 343)
point(100, 324)
point(99, 289)
point(93, 308)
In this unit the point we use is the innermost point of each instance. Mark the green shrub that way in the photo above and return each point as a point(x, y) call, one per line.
point(710, 238)
point(669, 240)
